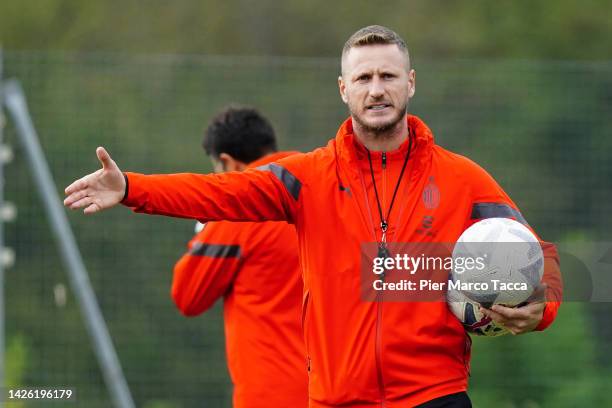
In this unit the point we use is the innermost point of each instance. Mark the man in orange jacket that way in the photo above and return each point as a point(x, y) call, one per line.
point(372, 183)
point(254, 268)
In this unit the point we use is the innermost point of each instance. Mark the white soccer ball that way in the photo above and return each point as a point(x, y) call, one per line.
point(506, 263)
point(469, 315)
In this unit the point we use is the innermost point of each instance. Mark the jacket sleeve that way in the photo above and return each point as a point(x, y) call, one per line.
point(489, 200)
point(262, 194)
point(552, 278)
point(206, 271)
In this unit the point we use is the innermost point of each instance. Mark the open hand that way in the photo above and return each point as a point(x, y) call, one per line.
point(99, 190)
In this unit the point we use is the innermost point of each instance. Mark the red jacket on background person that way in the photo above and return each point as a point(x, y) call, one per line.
point(360, 354)
point(254, 268)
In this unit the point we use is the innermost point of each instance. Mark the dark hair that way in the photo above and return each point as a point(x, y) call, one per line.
point(243, 133)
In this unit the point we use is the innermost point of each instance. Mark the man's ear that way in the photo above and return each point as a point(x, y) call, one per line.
point(231, 164)
point(412, 80)
point(342, 89)
point(227, 162)
point(216, 164)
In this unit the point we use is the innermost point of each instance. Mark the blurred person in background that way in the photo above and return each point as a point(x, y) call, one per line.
point(367, 185)
point(254, 268)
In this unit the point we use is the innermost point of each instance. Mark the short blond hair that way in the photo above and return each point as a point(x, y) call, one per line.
point(373, 35)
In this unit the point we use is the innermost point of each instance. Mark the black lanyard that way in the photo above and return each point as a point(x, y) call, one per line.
point(384, 221)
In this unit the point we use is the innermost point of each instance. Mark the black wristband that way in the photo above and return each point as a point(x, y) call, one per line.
point(125, 194)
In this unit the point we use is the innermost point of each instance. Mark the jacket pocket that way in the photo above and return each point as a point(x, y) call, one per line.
point(305, 307)
point(467, 352)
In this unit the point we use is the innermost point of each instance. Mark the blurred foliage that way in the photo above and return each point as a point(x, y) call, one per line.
point(516, 371)
point(546, 140)
point(537, 29)
point(16, 364)
point(17, 360)
point(541, 126)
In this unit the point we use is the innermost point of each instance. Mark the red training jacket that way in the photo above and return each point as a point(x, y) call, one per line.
point(361, 354)
point(254, 268)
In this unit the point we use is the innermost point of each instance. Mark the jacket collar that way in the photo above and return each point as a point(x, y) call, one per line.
point(351, 150)
point(272, 157)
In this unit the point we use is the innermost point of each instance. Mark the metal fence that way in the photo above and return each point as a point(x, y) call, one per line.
point(543, 129)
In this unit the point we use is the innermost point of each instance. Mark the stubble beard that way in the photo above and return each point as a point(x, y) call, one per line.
point(382, 131)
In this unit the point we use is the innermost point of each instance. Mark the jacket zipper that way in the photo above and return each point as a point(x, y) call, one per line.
point(378, 341)
point(379, 300)
point(384, 181)
point(304, 314)
point(378, 329)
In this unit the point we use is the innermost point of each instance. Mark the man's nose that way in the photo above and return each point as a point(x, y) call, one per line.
point(377, 88)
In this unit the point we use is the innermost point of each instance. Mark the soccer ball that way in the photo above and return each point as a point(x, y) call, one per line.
point(497, 261)
point(469, 315)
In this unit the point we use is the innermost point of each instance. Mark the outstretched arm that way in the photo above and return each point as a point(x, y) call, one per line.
point(99, 190)
point(263, 194)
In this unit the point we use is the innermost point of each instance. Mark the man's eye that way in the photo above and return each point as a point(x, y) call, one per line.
point(363, 78)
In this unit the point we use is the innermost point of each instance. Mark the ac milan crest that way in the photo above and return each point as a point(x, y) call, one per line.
point(431, 195)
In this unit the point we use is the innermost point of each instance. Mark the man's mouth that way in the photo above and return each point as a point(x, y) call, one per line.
point(378, 107)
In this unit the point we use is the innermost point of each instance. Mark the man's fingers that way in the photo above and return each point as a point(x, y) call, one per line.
point(517, 320)
point(514, 327)
point(493, 315)
point(506, 312)
point(76, 196)
point(83, 202)
point(104, 158)
point(80, 184)
point(92, 208)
